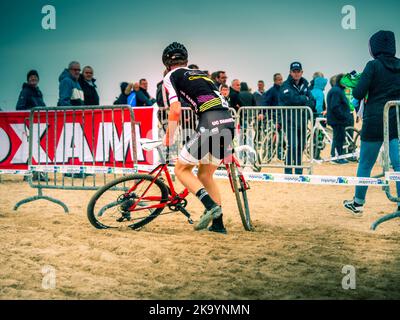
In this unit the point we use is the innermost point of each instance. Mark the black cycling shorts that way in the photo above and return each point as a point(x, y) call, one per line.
point(212, 140)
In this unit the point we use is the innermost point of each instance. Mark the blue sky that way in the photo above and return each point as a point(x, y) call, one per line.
point(123, 40)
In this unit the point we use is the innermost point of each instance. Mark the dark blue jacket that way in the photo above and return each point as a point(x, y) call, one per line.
point(29, 98)
point(338, 113)
point(292, 95)
point(270, 98)
point(381, 81)
point(143, 98)
point(70, 91)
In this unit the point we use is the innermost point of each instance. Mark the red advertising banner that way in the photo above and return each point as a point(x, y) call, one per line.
point(83, 137)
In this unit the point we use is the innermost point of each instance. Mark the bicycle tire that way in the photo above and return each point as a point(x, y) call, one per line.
point(241, 198)
point(140, 177)
point(355, 134)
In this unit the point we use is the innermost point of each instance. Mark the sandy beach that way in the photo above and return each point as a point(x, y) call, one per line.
point(303, 239)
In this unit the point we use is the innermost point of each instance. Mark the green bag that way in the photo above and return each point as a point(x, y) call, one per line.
point(350, 81)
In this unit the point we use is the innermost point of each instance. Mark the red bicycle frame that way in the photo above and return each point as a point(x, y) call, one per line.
point(174, 197)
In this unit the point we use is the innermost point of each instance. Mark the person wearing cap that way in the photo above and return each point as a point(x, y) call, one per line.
point(295, 92)
point(30, 95)
point(380, 80)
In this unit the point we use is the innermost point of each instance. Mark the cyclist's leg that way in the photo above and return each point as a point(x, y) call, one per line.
point(206, 177)
point(183, 172)
point(189, 157)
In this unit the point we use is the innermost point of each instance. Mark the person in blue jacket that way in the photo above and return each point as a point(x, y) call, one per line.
point(70, 91)
point(318, 93)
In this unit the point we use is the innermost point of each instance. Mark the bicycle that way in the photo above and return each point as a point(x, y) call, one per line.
point(323, 135)
point(149, 194)
point(270, 142)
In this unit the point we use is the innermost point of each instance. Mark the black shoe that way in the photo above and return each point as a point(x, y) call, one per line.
point(355, 208)
point(217, 229)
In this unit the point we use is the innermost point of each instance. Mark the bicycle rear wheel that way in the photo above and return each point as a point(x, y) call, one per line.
point(241, 196)
point(115, 206)
point(352, 141)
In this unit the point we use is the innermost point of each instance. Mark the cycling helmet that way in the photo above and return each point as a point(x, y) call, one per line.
point(175, 51)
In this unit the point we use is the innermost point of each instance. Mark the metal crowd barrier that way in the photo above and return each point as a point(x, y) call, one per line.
point(391, 110)
point(45, 136)
point(278, 135)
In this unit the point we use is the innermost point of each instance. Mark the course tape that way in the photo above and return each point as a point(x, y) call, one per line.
point(8, 171)
point(222, 174)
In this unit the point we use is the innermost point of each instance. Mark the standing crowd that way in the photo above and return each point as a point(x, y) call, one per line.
point(365, 93)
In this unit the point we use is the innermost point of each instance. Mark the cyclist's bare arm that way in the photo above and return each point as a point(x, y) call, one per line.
point(173, 120)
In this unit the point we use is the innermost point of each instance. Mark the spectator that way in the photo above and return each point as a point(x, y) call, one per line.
point(259, 92)
point(295, 92)
point(224, 90)
point(338, 116)
point(70, 91)
point(318, 92)
point(214, 78)
point(123, 97)
point(30, 95)
point(270, 98)
point(87, 83)
point(245, 98)
point(142, 96)
point(131, 92)
point(315, 75)
point(219, 77)
point(380, 80)
point(234, 94)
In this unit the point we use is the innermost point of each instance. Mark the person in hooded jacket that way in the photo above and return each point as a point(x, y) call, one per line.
point(318, 93)
point(380, 80)
point(338, 116)
point(30, 95)
point(123, 97)
point(70, 91)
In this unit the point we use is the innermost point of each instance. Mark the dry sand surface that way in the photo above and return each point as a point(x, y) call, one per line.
point(303, 238)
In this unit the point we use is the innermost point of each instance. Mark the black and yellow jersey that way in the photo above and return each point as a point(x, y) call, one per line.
point(194, 87)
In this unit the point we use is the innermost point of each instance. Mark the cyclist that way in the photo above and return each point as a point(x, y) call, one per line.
point(212, 139)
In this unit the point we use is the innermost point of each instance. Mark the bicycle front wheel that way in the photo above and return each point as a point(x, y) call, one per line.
point(127, 202)
point(239, 188)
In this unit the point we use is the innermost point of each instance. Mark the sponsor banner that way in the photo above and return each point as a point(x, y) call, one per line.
point(101, 138)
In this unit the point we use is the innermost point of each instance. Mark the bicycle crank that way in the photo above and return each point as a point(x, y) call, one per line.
point(185, 213)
